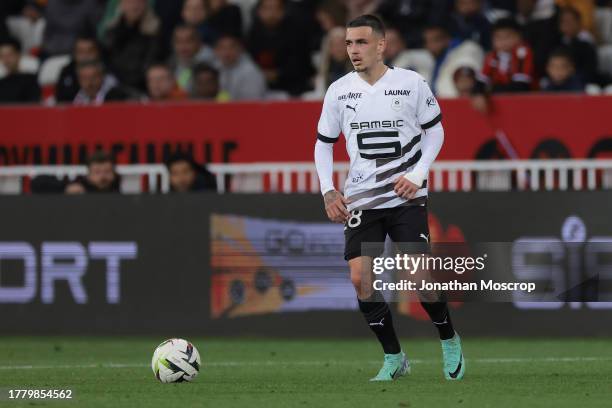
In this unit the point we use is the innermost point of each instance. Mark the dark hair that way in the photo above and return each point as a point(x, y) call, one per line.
point(180, 156)
point(438, 27)
point(87, 37)
point(158, 65)
point(191, 28)
point(234, 36)
point(204, 67)
point(90, 63)
point(100, 156)
point(11, 42)
point(368, 20)
point(562, 52)
point(260, 2)
point(571, 10)
point(506, 24)
point(551, 148)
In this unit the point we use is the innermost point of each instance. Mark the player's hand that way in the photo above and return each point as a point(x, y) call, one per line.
point(405, 188)
point(335, 206)
point(75, 188)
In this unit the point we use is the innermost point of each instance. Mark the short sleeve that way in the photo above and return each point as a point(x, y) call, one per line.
point(329, 126)
point(428, 110)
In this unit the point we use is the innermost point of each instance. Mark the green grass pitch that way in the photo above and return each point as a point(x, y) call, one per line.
point(115, 372)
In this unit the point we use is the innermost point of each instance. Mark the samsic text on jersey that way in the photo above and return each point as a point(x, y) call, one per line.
point(382, 124)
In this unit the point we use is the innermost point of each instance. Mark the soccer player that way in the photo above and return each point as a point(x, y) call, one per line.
point(392, 125)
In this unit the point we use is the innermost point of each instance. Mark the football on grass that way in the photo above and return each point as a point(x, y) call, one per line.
point(175, 360)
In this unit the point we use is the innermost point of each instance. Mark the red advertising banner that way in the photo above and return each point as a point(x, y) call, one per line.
point(575, 126)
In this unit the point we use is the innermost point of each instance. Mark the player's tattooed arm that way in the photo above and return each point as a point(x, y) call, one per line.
point(335, 206)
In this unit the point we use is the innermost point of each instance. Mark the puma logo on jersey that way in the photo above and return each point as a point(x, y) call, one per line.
point(425, 237)
point(351, 107)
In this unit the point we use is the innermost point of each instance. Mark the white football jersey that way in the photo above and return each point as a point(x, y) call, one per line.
point(382, 125)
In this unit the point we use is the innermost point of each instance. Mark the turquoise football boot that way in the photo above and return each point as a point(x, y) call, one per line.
point(454, 364)
point(395, 366)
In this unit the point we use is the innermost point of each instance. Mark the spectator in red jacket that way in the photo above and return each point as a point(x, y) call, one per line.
point(509, 66)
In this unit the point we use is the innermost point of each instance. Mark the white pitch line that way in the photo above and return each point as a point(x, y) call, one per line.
point(313, 363)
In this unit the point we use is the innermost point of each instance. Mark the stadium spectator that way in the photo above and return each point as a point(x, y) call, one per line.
point(65, 20)
point(561, 74)
point(206, 84)
point(194, 14)
point(238, 74)
point(86, 48)
point(579, 43)
point(16, 86)
point(4, 34)
point(133, 41)
point(278, 46)
point(335, 62)
point(211, 18)
point(188, 51)
point(330, 14)
point(10, 8)
point(465, 81)
point(397, 55)
point(396, 47)
point(586, 10)
point(161, 85)
point(410, 17)
point(445, 57)
point(28, 64)
point(96, 86)
point(101, 176)
point(222, 18)
point(29, 26)
point(188, 176)
point(47, 184)
point(509, 66)
point(169, 12)
point(468, 22)
point(358, 8)
point(507, 7)
point(538, 24)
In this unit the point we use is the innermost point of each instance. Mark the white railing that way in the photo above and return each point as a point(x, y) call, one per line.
point(135, 178)
point(486, 175)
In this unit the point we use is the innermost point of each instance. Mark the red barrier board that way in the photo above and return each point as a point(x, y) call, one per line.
point(285, 131)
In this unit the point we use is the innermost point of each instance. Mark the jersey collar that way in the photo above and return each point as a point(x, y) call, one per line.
point(380, 80)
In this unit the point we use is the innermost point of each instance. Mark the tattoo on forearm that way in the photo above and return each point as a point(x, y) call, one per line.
point(330, 197)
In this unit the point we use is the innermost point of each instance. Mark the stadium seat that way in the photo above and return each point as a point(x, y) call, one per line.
point(277, 96)
point(592, 89)
point(51, 69)
point(605, 58)
point(603, 20)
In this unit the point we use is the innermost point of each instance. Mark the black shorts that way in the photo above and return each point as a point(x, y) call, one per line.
point(402, 224)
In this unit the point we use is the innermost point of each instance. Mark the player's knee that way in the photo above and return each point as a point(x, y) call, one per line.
point(356, 279)
point(359, 281)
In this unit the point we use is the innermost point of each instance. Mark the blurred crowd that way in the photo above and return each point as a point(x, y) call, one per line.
point(95, 51)
point(185, 175)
